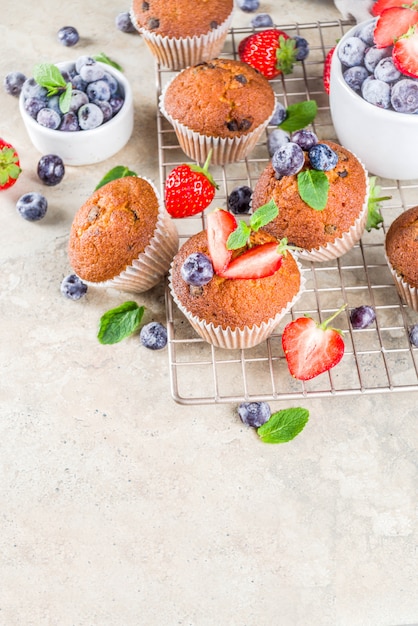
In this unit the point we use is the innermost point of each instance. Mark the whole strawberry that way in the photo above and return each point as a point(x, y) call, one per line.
point(271, 52)
point(326, 75)
point(189, 189)
point(9, 165)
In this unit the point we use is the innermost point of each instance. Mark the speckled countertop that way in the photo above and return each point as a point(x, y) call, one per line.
point(121, 507)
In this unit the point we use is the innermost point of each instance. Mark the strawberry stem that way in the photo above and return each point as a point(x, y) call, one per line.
point(323, 325)
point(205, 170)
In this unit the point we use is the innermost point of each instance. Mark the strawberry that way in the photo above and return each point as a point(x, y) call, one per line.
point(310, 347)
point(9, 165)
point(405, 53)
point(257, 262)
point(393, 23)
point(271, 52)
point(220, 224)
point(189, 189)
point(326, 75)
point(380, 5)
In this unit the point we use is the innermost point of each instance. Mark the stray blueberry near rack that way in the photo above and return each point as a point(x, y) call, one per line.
point(413, 335)
point(276, 139)
point(254, 414)
point(51, 169)
point(249, 6)
point(362, 316)
point(32, 206)
point(301, 48)
point(123, 23)
point(262, 20)
point(153, 336)
point(239, 200)
point(73, 288)
point(68, 36)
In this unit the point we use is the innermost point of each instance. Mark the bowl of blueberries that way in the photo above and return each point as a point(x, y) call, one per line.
point(81, 111)
point(374, 99)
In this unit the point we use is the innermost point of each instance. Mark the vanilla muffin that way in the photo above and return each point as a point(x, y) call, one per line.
point(222, 105)
point(122, 236)
point(180, 33)
point(401, 248)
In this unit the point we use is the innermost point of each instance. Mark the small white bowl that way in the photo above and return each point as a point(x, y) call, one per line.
point(85, 147)
point(385, 140)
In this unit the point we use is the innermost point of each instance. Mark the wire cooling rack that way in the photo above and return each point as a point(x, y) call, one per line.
point(377, 359)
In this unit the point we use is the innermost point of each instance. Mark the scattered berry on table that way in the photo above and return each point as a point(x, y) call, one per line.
point(288, 159)
point(322, 157)
point(304, 138)
point(32, 206)
point(413, 335)
point(404, 96)
point(68, 36)
point(249, 6)
point(13, 83)
point(153, 336)
point(254, 414)
point(239, 200)
point(279, 115)
point(51, 169)
point(123, 23)
point(9, 165)
point(73, 288)
point(362, 316)
point(301, 48)
point(262, 20)
point(276, 139)
point(197, 269)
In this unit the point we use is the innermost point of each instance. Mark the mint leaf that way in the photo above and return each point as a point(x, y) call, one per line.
point(103, 58)
point(263, 215)
point(313, 186)
point(374, 218)
point(65, 99)
point(299, 115)
point(120, 322)
point(284, 425)
point(119, 171)
point(239, 237)
point(48, 75)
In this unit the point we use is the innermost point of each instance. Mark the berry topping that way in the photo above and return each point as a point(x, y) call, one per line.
point(362, 316)
point(392, 24)
point(304, 138)
point(254, 414)
point(13, 83)
point(258, 262)
point(239, 200)
point(197, 269)
point(9, 165)
point(322, 157)
point(51, 169)
point(288, 159)
point(220, 224)
point(413, 335)
point(68, 36)
point(153, 336)
point(32, 206)
point(123, 23)
point(270, 51)
point(73, 288)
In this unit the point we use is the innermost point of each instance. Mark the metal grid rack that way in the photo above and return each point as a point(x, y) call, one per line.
point(377, 359)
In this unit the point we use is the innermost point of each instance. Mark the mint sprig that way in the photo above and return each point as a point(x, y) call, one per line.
point(262, 216)
point(313, 187)
point(374, 217)
point(47, 75)
point(299, 115)
point(284, 425)
point(120, 322)
point(103, 58)
point(119, 171)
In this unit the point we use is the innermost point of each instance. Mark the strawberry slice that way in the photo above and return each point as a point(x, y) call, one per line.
point(326, 75)
point(393, 23)
point(405, 53)
point(311, 348)
point(258, 262)
point(220, 224)
point(380, 5)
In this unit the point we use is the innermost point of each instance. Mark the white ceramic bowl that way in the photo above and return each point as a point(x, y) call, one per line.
point(386, 141)
point(85, 147)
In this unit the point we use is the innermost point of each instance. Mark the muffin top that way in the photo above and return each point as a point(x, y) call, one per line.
point(401, 245)
point(180, 18)
point(221, 98)
point(302, 225)
point(112, 228)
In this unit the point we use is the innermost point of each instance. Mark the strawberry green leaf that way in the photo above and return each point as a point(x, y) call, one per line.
point(299, 115)
point(120, 322)
point(263, 215)
point(313, 186)
point(239, 237)
point(284, 425)
point(374, 217)
point(286, 54)
point(119, 171)
point(103, 58)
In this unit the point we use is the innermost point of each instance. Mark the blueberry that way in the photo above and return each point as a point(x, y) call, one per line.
point(288, 159)
point(78, 83)
point(352, 51)
point(279, 115)
point(355, 76)
point(362, 316)
point(98, 90)
point(366, 32)
point(123, 23)
point(376, 92)
point(387, 71)
point(197, 269)
point(85, 59)
point(322, 157)
point(48, 118)
point(116, 102)
point(254, 413)
point(304, 138)
point(72, 287)
point(51, 169)
point(106, 110)
point(249, 6)
point(90, 70)
point(153, 336)
point(13, 83)
point(68, 36)
point(33, 105)
point(374, 55)
point(78, 98)
point(301, 48)
point(413, 335)
point(276, 139)
point(112, 82)
point(32, 206)
point(90, 116)
point(31, 89)
point(404, 97)
point(262, 20)
point(54, 104)
point(69, 122)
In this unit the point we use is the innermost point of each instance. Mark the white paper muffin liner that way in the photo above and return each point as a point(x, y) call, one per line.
point(338, 247)
point(224, 149)
point(238, 338)
point(176, 53)
point(408, 293)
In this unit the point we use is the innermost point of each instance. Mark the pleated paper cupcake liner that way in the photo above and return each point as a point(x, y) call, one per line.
point(408, 293)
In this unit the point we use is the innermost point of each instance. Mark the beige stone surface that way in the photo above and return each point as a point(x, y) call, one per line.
point(120, 507)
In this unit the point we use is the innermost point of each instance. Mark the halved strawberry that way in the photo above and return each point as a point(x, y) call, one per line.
point(393, 23)
point(405, 53)
point(326, 75)
point(258, 262)
point(271, 52)
point(380, 5)
point(220, 224)
point(311, 348)
point(9, 165)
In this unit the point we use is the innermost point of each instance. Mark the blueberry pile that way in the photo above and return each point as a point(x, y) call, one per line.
point(289, 157)
point(96, 97)
point(371, 72)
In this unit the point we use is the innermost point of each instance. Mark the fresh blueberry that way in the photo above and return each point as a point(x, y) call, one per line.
point(355, 76)
point(98, 90)
point(68, 36)
point(404, 97)
point(288, 159)
point(301, 48)
point(276, 139)
point(78, 83)
point(249, 6)
point(13, 83)
point(112, 82)
point(153, 336)
point(106, 109)
point(373, 55)
point(31, 89)
point(69, 122)
point(304, 138)
point(262, 20)
point(72, 287)
point(387, 71)
point(352, 51)
point(85, 59)
point(32, 206)
point(254, 413)
point(33, 105)
point(279, 115)
point(322, 157)
point(48, 118)
point(376, 92)
point(78, 98)
point(362, 316)
point(51, 169)
point(54, 104)
point(197, 269)
point(90, 116)
point(239, 200)
point(91, 71)
point(123, 23)
point(366, 31)
point(116, 102)
point(413, 335)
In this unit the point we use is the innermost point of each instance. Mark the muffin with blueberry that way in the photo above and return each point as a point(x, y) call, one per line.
point(222, 105)
point(321, 190)
point(401, 248)
point(180, 33)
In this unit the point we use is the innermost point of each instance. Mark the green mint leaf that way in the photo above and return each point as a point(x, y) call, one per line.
point(374, 218)
point(239, 237)
point(103, 58)
point(284, 425)
point(299, 115)
point(65, 99)
point(313, 186)
point(263, 215)
point(119, 171)
point(48, 75)
point(120, 322)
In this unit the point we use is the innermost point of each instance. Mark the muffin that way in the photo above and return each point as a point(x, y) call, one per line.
point(123, 237)
point(180, 33)
point(223, 105)
point(235, 313)
point(401, 249)
point(324, 234)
